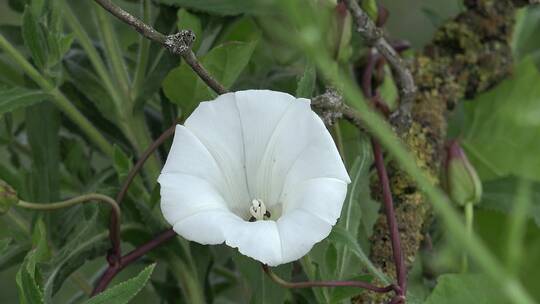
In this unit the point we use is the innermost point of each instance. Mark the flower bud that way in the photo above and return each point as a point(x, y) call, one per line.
point(8, 197)
point(461, 180)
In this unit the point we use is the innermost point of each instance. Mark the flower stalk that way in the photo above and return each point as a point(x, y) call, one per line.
point(359, 284)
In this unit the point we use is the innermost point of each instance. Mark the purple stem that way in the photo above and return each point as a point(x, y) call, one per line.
point(401, 273)
point(116, 251)
point(308, 284)
point(129, 258)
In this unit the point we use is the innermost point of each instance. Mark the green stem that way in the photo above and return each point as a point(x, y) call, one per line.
point(144, 51)
point(189, 283)
point(92, 53)
point(112, 49)
point(58, 98)
point(72, 202)
point(469, 217)
point(517, 226)
point(142, 138)
point(379, 128)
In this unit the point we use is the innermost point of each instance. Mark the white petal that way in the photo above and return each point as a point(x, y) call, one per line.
point(320, 158)
point(322, 197)
point(301, 147)
point(259, 240)
point(189, 156)
point(207, 227)
point(299, 231)
point(184, 195)
point(217, 125)
point(261, 111)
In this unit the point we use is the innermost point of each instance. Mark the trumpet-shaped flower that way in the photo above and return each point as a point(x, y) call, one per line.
point(257, 170)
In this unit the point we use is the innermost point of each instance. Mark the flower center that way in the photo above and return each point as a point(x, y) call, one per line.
point(258, 211)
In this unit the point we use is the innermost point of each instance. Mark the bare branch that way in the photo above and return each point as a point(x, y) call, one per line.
point(374, 36)
point(178, 44)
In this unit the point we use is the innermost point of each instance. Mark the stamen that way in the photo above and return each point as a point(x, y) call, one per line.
point(258, 211)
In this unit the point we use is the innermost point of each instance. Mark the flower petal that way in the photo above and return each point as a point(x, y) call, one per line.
point(259, 240)
point(207, 227)
point(184, 195)
point(217, 125)
point(300, 147)
point(322, 197)
point(321, 151)
point(189, 156)
point(299, 231)
point(261, 111)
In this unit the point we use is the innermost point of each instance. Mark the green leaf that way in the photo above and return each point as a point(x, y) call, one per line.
point(28, 276)
point(4, 245)
point(339, 294)
point(92, 88)
point(526, 37)
point(43, 128)
point(225, 62)
point(34, 38)
point(124, 292)
point(341, 236)
point(83, 245)
point(504, 122)
point(15, 98)
point(188, 21)
point(465, 288)
point(220, 7)
point(244, 29)
point(260, 288)
point(306, 84)
point(499, 195)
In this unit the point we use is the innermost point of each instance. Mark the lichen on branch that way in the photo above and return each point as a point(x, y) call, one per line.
point(467, 56)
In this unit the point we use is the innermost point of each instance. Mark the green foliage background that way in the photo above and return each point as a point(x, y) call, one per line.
point(99, 93)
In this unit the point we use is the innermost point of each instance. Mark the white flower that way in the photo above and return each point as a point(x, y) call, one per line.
point(257, 170)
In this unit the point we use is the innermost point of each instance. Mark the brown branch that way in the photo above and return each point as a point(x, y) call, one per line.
point(178, 44)
point(374, 36)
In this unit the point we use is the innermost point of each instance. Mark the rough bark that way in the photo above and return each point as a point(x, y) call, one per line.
point(467, 56)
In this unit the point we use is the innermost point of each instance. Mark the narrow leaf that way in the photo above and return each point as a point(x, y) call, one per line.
point(124, 292)
point(15, 98)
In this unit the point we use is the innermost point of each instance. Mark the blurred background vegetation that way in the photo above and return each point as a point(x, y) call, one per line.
point(131, 90)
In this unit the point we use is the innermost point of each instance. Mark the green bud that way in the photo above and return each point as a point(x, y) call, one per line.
point(8, 197)
point(461, 181)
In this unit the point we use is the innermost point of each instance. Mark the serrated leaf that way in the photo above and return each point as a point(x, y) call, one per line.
point(225, 62)
point(27, 277)
point(34, 38)
point(306, 84)
point(14, 98)
point(124, 292)
point(83, 245)
point(465, 288)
